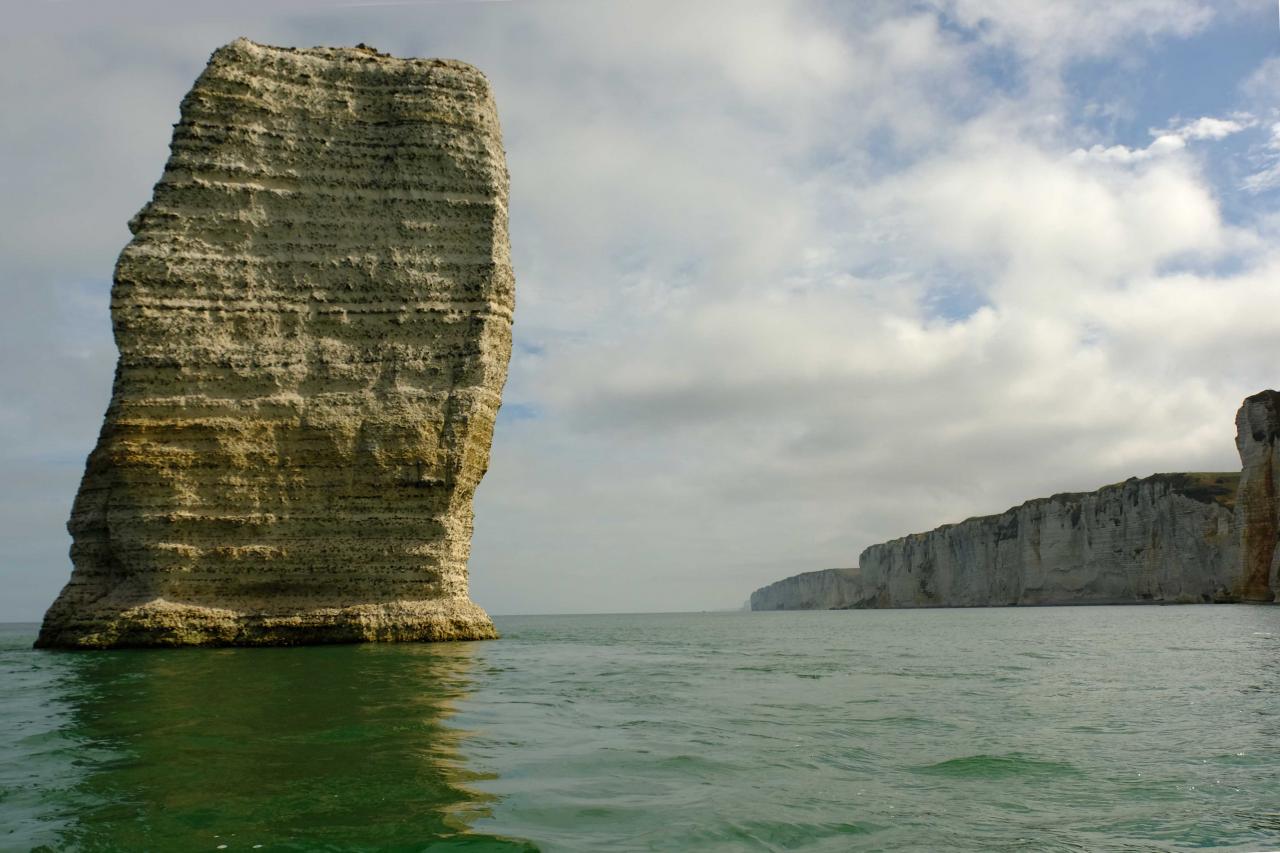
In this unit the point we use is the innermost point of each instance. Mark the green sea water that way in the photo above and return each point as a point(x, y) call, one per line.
point(1090, 728)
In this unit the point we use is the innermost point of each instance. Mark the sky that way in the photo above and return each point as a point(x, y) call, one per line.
point(793, 277)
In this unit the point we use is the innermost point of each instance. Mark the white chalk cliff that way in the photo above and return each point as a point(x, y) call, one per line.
point(1168, 538)
point(825, 589)
point(314, 325)
point(1141, 540)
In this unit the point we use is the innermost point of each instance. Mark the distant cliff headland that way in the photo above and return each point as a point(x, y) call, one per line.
point(1168, 538)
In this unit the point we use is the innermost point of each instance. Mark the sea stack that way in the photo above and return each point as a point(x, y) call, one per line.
point(314, 325)
point(1258, 501)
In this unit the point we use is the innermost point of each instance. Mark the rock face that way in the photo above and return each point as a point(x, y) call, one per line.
point(314, 325)
point(1258, 504)
point(1165, 538)
point(827, 589)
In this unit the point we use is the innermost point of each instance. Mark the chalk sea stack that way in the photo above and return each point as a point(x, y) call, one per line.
point(1258, 504)
point(314, 325)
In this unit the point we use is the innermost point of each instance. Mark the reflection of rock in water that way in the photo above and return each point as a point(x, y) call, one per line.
point(341, 747)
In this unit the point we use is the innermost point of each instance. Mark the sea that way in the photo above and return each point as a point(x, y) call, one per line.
point(1055, 728)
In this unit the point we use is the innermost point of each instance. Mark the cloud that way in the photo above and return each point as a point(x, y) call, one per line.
point(1214, 128)
point(1267, 177)
point(1049, 34)
point(1263, 85)
point(1170, 140)
point(1033, 223)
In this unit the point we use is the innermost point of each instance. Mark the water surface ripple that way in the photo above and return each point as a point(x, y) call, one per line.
point(1081, 729)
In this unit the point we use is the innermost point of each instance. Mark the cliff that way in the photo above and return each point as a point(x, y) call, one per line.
point(1166, 538)
point(314, 325)
point(826, 589)
point(1258, 440)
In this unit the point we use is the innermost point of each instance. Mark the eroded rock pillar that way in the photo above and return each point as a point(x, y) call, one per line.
point(314, 324)
point(1258, 504)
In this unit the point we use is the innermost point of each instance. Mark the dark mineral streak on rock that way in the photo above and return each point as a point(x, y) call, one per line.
point(314, 325)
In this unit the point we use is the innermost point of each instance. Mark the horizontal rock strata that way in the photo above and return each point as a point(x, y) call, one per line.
point(314, 325)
